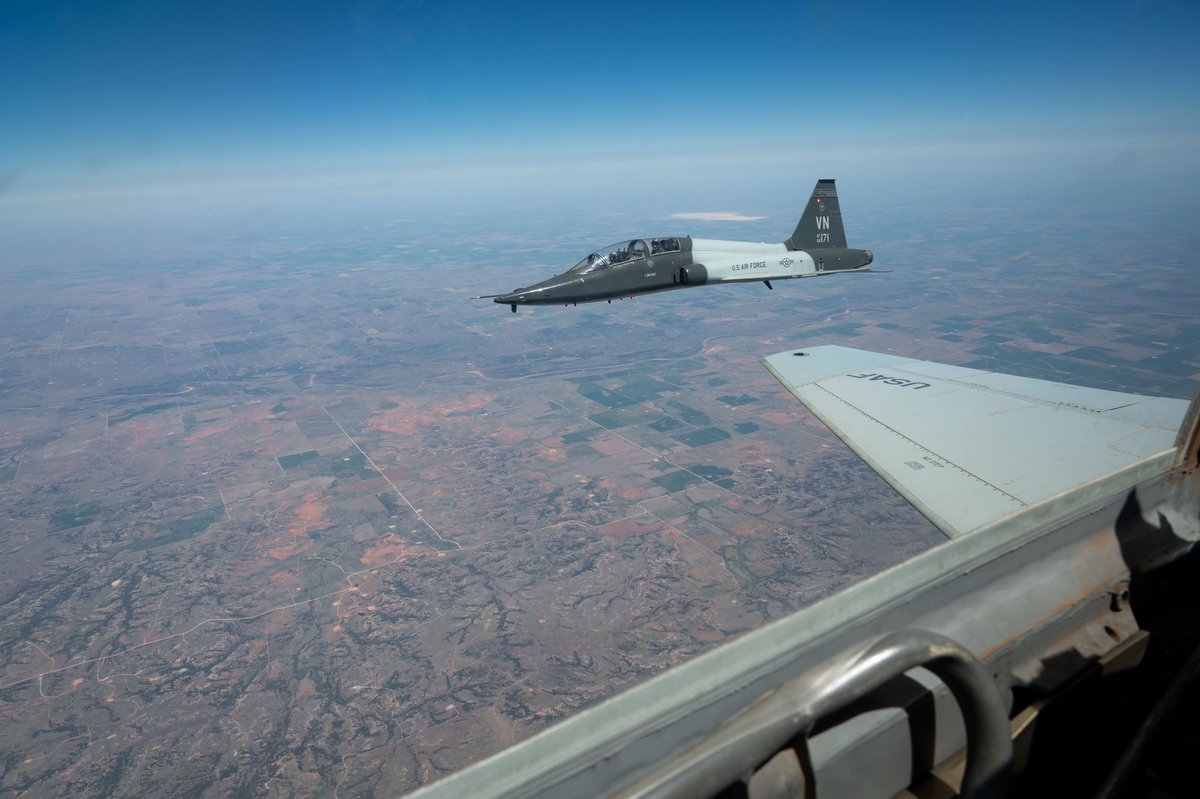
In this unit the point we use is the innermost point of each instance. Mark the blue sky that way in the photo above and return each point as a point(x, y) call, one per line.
point(113, 95)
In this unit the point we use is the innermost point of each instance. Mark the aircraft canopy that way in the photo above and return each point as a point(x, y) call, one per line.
point(625, 251)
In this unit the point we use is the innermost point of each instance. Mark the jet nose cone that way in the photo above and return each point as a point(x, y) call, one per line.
point(512, 299)
point(870, 257)
point(516, 295)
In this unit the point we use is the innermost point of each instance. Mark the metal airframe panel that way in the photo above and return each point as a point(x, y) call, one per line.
point(989, 444)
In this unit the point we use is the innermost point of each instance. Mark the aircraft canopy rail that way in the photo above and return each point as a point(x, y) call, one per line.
point(623, 251)
point(785, 716)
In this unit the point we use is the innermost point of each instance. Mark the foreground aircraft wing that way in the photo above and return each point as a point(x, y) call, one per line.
point(968, 447)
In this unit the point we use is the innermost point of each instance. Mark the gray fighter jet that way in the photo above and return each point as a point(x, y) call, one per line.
point(641, 266)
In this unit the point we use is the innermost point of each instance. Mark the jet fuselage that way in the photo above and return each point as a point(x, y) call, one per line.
point(646, 265)
point(697, 262)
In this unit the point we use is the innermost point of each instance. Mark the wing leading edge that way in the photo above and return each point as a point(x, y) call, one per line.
point(968, 447)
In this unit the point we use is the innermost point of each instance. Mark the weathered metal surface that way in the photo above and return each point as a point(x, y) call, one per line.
point(793, 710)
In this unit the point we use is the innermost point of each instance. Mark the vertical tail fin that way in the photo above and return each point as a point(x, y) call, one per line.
point(821, 224)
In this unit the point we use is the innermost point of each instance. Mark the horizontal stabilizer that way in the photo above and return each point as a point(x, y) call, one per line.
point(966, 446)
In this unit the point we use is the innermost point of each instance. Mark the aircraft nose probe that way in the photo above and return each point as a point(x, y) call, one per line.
point(511, 299)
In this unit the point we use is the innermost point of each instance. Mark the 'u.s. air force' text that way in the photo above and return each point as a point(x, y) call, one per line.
point(891, 381)
point(751, 265)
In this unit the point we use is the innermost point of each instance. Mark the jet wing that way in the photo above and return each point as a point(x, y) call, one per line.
point(968, 447)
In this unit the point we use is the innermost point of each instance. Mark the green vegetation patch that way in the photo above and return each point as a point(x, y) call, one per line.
point(318, 427)
point(740, 399)
point(582, 451)
point(1182, 339)
point(688, 414)
point(1097, 355)
point(698, 438)
point(676, 481)
point(745, 427)
point(352, 464)
point(643, 388)
point(666, 424)
point(602, 396)
point(623, 417)
point(579, 436)
point(397, 510)
point(1034, 331)
point(181, 529)
point(684, 366)
point(947, 325)
point(1176, 363)
point(711, 472)
point(130, 414)
point(74, 516)
point(292, 461)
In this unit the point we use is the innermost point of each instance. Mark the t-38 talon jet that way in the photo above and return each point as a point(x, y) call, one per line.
point(640, 266)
